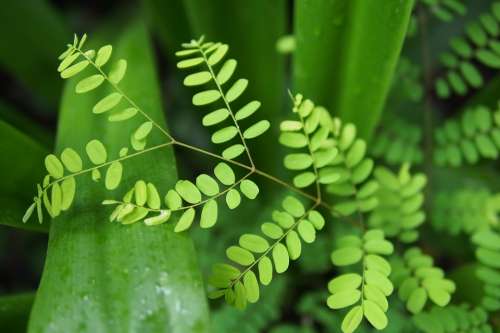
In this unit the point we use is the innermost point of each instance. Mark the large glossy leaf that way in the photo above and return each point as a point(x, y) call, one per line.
point(255, 26)
point(33, 35)
point(22, 167)
point(346, 54)
point(14, 312)
point(105, 277)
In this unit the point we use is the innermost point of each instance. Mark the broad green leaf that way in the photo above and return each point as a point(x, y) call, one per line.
point(71, 160)
point(207, 185)
point(352, 319)
point(293, 206)
point(251, 287)
point(215, 117)
point(96, 152)
point(209, 214)
point(254, 243)
point(256, 129)
point(226, 71)
point(265, 271)
point(185, 220)
point(247, 110)
point(233, 198)
point(173, 200)
point(89, 83)
point(224, 174)
point(113, 175)
point(239, 255)
point(346, 256)
point(280, 258)
point(236, 90)
point(225, 134)
point(118, 71)
point(143, 131)
point(319, 55)
point(344, 282)
point(75, 260)
point(54, 166)
point(233, 151)
point(188, 191)
point(206, 97)
point(153, 197)
point(68, 188)
point(249, 189)
point(74, 69)
point(374, 314)
point(343, 298)
point(103, 55)
point(107, 103)
point(123, 114)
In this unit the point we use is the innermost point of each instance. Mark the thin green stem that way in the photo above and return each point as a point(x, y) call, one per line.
point(108, 163)
point(226, 103)
point(249, 267)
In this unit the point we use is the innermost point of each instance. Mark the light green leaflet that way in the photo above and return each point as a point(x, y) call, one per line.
point(89, 83)
point(209, 214)
point(197, 79)
point(233, 151)
point(251, 287)
point(236, 90)
point(123, 114)
point(185, 220)
point(189, 62)
point(233, 198)
point(153, 200)
point(71, 160)
point(96, 152)
point(54, 166)
point(67, 62)
point(143, 130)
point(173, 200)
point(103, 55)
point(240, 255)
point(254, 243)
point(113, 175)
point(118, 71)
point(226, 71)
point(68, 187)
point(140, 192)
point(206, 97)
point(224, 174)
point(249, 189)
point(158, 219)
point(225, 134)
point(107, 103)
point(247, 110)
point(207, 185)
point(215, 117)
point(256, 129)
point(218, 54)
point(280, 258)
point(74, 69)
point(188, 191)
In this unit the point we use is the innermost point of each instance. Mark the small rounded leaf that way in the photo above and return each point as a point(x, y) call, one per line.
point(107, 103)
point(54, 166)
point(89, 83)
point(113, 175)
point(256, 129)
point(188, 191)
point(209, 214)
point(71, 160)
point(249, 189)
point(224, 174)
point(233, 198)
point(96, 152)
point(207, 185)
point(185, 220)
point(103, 55)
point(374, 314)
point(280, 258)
point(118, 71)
